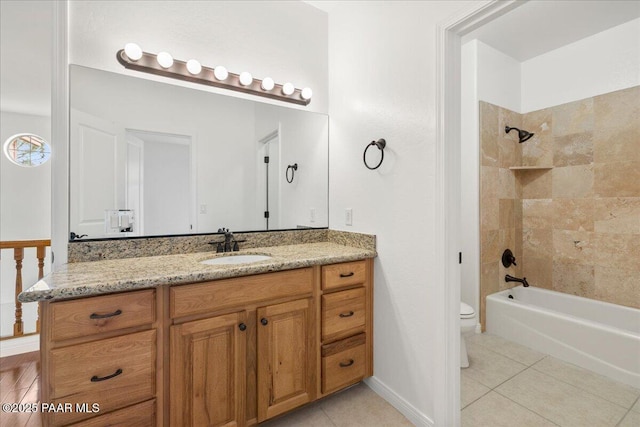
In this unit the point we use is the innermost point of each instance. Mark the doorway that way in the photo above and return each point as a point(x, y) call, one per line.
point(159, 179)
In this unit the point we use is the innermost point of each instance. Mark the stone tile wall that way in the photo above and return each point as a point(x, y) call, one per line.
point(577, 223)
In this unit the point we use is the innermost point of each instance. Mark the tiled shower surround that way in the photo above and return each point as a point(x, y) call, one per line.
point(573, 218)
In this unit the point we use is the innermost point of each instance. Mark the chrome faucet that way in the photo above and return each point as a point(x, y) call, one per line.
point(509, 278)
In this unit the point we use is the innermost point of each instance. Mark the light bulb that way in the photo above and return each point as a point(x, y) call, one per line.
point(220, 73)
point(165, 60)
point(288, 89)
point(267, 83)
point(245, 78)
point(306, 93)
point(133, 51)
point(194, 67)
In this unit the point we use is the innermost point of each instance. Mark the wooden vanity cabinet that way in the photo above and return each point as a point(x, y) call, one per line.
point(286, 357)
point(229, 352)
point(208, 371)
point(243, 350)
point(346, 324)
point(100, 350)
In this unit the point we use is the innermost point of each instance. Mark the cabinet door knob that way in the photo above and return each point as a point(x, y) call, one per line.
point(264, 321)
point(349, 363)
point(242, 327)
point(348, 314)
point(346, 274)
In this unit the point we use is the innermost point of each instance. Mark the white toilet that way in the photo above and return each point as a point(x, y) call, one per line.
point(467, 325)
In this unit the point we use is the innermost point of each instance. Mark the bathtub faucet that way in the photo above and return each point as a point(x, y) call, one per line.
point(509, 278)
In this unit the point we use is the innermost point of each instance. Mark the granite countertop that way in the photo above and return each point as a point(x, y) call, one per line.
point(101, 277)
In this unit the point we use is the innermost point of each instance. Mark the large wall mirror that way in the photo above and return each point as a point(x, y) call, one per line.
point(150, 159)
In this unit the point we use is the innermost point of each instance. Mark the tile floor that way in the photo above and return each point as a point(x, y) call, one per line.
point(510, 385)
point(358, 406)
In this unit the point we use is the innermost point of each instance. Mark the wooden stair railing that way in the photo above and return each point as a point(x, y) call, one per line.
point(18, 247)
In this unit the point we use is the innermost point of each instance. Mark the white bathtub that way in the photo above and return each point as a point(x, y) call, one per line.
point(599, 336)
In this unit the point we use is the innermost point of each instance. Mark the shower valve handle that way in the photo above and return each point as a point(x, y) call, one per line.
point(508, 258)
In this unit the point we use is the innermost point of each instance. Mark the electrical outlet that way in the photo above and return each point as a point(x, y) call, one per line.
point(203, 209)
point(348, 216)
point(312, 215)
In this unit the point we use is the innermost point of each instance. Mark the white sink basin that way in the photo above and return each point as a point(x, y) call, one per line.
point(235, 259)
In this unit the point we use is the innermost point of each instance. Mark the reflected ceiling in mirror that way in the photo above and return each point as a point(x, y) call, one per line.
point(150, 159)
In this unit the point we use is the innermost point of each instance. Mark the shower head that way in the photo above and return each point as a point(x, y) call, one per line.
point(523, 135)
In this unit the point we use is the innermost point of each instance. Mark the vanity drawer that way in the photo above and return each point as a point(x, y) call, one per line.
point(339, 275)
point(89, 316)
point(113, 372)
point(237, 292)
point(343, 363)
point(140, 415)
point(343, 313)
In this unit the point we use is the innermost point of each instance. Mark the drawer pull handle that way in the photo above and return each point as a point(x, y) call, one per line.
point(95, 378)
point(105, 316)
point(242, 327)
point(349, 363)
point(264, 321)
point(346, 275)
point(349, 314)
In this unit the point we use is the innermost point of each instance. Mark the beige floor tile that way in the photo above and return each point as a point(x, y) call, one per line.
point(636, 407)
point(309, 416)
point(631, 420)
point(490, 368)
point(494, 410)
point(361, 406)
point(517, 352)
point(470, 389)
point(584, 379)
point(562, 403)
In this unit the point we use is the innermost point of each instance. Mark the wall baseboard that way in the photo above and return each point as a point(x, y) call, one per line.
point(405, 408)
point(19, 345)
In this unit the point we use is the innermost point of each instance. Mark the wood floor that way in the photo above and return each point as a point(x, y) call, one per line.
point(19, 384)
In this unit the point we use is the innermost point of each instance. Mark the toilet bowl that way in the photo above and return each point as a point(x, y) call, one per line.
point(467, 326)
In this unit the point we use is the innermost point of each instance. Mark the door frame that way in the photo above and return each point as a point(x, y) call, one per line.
point(448, 189)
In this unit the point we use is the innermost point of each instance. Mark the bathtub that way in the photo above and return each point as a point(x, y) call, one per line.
point(599, 336)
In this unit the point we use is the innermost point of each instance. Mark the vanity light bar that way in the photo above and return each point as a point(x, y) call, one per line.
point(244, 82)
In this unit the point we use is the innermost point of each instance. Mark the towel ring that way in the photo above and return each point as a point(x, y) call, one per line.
point(381, 143)
point(294, 168)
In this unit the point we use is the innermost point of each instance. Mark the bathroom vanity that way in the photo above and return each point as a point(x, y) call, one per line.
point(182, 343)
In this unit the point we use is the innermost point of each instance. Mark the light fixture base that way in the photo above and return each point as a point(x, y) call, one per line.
point(148, 64)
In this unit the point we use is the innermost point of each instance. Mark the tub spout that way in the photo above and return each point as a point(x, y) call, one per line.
point(509, 278)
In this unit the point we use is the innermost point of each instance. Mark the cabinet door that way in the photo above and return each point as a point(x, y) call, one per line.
point(286, 357)
point(207, 379)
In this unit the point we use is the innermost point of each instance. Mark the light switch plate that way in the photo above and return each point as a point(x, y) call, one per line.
point(348, 216)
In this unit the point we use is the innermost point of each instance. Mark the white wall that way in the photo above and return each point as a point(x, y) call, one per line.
point(605, 62)
point(284, 40)
point(491, 76)
point(25, 213)
point(382, 85)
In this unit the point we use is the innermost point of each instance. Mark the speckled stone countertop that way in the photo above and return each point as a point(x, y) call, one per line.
point(101, 277)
